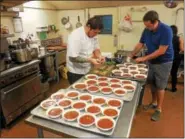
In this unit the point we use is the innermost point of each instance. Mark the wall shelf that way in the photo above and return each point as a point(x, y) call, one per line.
point(6, 35)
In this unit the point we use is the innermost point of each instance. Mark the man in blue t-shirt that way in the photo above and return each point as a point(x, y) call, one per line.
point(157, 37)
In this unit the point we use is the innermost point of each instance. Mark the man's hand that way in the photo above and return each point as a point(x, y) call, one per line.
point(101, 60)
point(94, 61)
point(140, 59)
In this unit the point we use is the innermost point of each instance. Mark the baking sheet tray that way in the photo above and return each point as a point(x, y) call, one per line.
point(40, 112)
point(127, 97)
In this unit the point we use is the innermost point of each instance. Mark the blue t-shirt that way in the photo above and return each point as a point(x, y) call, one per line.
point(162, 36)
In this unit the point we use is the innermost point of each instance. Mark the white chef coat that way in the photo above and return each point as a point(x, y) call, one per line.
point(79, 44)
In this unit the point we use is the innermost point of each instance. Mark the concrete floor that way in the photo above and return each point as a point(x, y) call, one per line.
point(170, 125)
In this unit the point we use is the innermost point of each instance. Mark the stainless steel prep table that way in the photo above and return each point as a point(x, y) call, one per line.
point(123, 127)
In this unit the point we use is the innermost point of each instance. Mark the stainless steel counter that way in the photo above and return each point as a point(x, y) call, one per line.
point(122, 130)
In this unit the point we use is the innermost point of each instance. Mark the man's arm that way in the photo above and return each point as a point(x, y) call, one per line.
point(136, 50)
point(162, 49)
point(181, 44)
point(80, 59)
point(97, 53)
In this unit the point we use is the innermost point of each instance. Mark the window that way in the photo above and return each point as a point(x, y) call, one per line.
point(107, 24)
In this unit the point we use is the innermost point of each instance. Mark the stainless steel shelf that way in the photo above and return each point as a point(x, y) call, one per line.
point(6, 35)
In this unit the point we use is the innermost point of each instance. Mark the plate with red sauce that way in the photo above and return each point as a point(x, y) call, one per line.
point(86, 120)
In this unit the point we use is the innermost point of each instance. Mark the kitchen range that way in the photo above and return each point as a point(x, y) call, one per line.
point(20, 84)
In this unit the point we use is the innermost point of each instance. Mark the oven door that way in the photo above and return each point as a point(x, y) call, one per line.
point(16, 95)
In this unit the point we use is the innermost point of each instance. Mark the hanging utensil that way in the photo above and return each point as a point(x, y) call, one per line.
point(64, 20)
point(78, 24)
point(68, 25)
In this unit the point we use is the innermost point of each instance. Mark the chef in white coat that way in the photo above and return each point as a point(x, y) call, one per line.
point(83, 49)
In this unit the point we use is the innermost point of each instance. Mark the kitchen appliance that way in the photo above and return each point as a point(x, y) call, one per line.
point(20, 89)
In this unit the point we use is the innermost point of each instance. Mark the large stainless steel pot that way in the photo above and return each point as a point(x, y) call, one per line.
point(22, 55)
point(34, 53)
point(2, 64)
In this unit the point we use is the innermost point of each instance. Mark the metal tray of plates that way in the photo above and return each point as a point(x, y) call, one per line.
point(143, 70)
point(127, 97)
point(42, 113)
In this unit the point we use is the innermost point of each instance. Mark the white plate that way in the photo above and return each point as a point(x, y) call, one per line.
point(58, 93)
point(74, 96)
point(91, 80)
point(103, 78)
point(124, 68)
point(56, 116)
point(144, 69)
point(93, 91)
point(79, 101)
point(69, 110)
point(106, 93)
point(129, 90)
point(114, 72)
point(80, 84)
point(64, 100)
point(120, 65)
point(143, 65)
point(140, 78)
point(85, 95)
point(90, 105)
point(122, 89)
point(87, 76)
point(105, 117)
point(121, 102)
point(131, 82)
point(120, 85)
point(117, 80)
point(113, 108)
point(97, 98)
point(50, 100)
point(104, 83)
point(136, 72)
point(134, 66)
point(127, 76)
point(86, 125)
point(127, 64)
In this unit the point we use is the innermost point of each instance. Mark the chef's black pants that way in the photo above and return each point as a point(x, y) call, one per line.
point(73, 77)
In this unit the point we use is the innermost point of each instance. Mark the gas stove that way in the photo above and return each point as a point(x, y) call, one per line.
point(18, 71)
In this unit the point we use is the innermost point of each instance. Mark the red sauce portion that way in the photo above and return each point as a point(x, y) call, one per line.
point(71, 115)
point(93, 88)
point(99, 101)
point(103, 84)
point(87, 119)
point(93, 109)
point(72, 94)
point(55, 112)
point(79, 105)
point(114, 103)
point(105, 123)
point(126, 82)
point(106, 89)
point(85, 97)
point(120, 92)
point(140, 76)
point(110, 112)
point(129, 87)
point(91, 82)
point(115, 85)
point(114, 80)
point(80, 86)
point(117, 73)
point(65, 103)
point(91, 77)
point(48, 103)
point(102, 79)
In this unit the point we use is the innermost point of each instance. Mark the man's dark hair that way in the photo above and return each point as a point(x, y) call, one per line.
point(95, 23)
point(151, 16)
point(174, 29)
